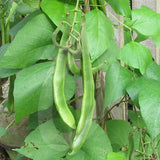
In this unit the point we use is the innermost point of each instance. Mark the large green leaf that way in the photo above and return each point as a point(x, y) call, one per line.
point(32, 43)
point(96, 146)
point(116, 156)
point(146, 21)
point(44, 143)
point(136, 55)
point(118, 132)
point(108, 57)
point(116, 80)
point(99, 32)
point(149, 100)
point(33, 89)
point(56, 10)
point(121, 7)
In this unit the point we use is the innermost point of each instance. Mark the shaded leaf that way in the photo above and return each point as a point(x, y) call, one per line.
point(149, 100)
point(32, 43)
point(121, 7)
point(44, 143)
point(116, 81)
point(118, 132)
point(99, 32)
point(136, 55)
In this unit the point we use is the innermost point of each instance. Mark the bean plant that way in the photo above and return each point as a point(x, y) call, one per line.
point(47, 46)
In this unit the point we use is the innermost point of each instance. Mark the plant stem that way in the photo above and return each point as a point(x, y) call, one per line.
point(102, 4)
point(94, 4)
point(74, 99)
point(10, 124)
point(119, 21)
point(3, 31)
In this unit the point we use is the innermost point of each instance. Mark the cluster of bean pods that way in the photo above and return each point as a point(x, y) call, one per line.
point(65, 54)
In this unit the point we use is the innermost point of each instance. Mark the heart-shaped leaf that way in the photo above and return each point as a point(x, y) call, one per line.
point(116, 81)
point(136, 55)
point(118, 132)
point(44, 143)
point(99, 32)
point(149, 100)
point(146, 21)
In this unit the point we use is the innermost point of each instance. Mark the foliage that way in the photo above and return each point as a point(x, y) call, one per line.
point(29, 60)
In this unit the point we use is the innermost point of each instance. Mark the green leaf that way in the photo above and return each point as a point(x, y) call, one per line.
point(149, 100)
point(121, 7)
point(108, 57)
point(116, 156)
point(44, 143)
point(32, 3)
point(96, 146)
point(136, 55)
point(3, 71)
point(146, 21)
point(32, 43)
point(116, 80)
point(136, 119)
point(135, 87)
point(3, 132)
point(156, 40)
point(56, 10)
point(13, 31)
point(153, 71)
point(99, 32)
point(34, 89)
point(118, 132)
point(24, 9)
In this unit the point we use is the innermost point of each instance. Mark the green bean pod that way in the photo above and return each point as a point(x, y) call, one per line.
point(72, 65)
point(59, 80)
point(88, 103)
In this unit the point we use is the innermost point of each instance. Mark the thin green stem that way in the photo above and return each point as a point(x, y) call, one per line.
point(10, 124)
point(74, 99)
point(103, 8)
point(94, 4)
point(119, 20)
point(7, 36)
point(3, 31)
